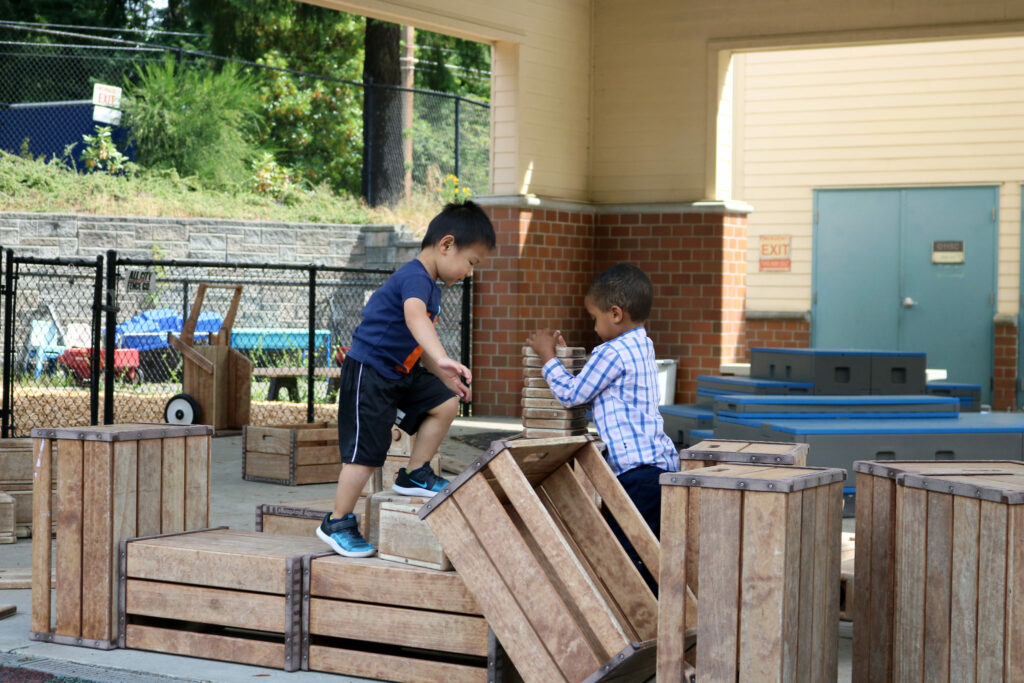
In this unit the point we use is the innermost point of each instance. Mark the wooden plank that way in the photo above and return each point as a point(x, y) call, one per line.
point(963, 616)
point(805, 617)
point(504, 615)
point(378, 581)
point(762, 587)
point(372, 508)
point(938, 576)
point(290, 526)
point(525, 578)
point(197, 482)
point(320, 474)
point(621, 507)
point(791, 587)
point(719, 607)
point(98, 539)
point(268, 440)
point(881, 578)
point(907, 642)
point(377, 666)
point(69, 538)
point(205, 645)
point(672, 589)
point(835, 518)
point(602, 551)
point(150, 471)
point(992, 549)
point(442, 631)
point(16, 459)
point(820, 630)
point(42, 522)
point(240, 609)
point(861, 602)
point(578, 591)
point(124, 508)
point(403, 535)
point(321, 454)
point(1014, 643)
point(172, 500)
point(268, 466)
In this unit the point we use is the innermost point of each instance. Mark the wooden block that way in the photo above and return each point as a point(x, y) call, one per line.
point(16, 460)
point(713, 451)
point(372, 514)
point(575, 424)
point(7, 519)
point(538, 392)
point(570, 364)
point(535, 382)
point(403, 537)
point(539, 433)
point(555, 413)
point(545, 403)
point(560, 352)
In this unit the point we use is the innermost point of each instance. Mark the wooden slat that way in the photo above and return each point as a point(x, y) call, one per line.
point(762, 587)
point(581, 596)
point(42, 522)
point(268, 465)
point(442, 631)
point(206, 646)
point(1014, 642)
point(908, 647)
point(504, 615)
point(259, 611)
point(791, 586)
point(963, 616)
point(373, 665)
point(97, 535)
point(835, 519)
point(172, 500)
point(938, 577)
point(319, 474)
point(805, 619)
point(150, 470)
point(289, 526)
point(621, 507)
point(69, 540)
point(991, 591)
point(881, 579)
point(197, 482)
point(526, 580)
point(268, 440)
point(124, 508)
point(321, 454)
point(860, 661)
point(718, 609)
point(821, 591)
point(602, 551)
point(672, 589)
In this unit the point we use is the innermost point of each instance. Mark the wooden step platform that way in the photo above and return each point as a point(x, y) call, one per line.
point(558, 590)
point(219, 594)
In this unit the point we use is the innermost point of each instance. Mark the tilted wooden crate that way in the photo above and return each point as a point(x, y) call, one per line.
point(301, 519)
point(875, 558)
point(556, 587)
point(16, 480)
point(959, 598)
point(378, 619)
point(113, 482)
point(768, 608)
point(233, 596)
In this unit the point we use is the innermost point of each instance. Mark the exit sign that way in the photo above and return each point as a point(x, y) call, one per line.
point(774, 254)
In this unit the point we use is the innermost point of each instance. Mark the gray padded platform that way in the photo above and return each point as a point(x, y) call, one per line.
point(681, 420)
point(835, 407)
point(843, 371)
point(969, 395)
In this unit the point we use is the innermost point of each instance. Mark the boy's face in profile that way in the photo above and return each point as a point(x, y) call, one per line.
point(606, 323)
point(456, 264)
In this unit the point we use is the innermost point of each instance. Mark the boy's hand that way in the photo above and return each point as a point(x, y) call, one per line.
point(544, 342)
point(452, 374)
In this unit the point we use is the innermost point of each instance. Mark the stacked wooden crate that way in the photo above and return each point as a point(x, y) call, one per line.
point(543, 415)
point(16, 481)
point(113, 483)
point(768, 607)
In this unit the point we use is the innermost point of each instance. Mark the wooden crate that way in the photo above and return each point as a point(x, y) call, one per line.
point(300, 519)
point(711, 452)
point(556, 587)
point(768, 608)
point(113, 482)
point(959, 598)
point(16, 480)
point(233, 596)
point(372, 511)
point(377, 619)
point(7, 519)
point(403, 537)
point(875, 556)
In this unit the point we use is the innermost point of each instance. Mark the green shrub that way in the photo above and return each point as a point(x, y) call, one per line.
point(198, 122)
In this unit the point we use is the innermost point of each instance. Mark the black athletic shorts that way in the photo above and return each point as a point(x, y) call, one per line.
point(369, 404)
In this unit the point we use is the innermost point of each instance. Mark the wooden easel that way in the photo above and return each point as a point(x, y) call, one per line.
point(217, 377)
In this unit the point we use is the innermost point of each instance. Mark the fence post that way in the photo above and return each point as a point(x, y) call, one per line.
point(111, 310)
point(368, 116)
point(311, 355)
point(466, 352)
point(8, 380)
point(458, 140)
point(94, 354)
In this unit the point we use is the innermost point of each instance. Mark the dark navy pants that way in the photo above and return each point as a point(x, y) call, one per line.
point(641, 484)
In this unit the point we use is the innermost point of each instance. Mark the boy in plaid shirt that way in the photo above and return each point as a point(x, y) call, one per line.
point(620, 381)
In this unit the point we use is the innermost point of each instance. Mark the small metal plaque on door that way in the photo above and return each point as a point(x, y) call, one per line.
point(948, 251)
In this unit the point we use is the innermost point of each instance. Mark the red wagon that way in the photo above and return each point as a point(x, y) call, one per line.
point(78, 362)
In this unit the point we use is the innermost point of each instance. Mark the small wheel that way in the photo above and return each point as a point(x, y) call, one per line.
point(182, 409)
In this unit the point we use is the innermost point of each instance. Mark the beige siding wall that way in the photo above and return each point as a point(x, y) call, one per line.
point(938, 113)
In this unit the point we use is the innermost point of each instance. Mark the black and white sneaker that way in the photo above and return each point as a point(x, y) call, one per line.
point(420, 482)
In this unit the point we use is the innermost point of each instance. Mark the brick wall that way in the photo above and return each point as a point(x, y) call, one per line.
point(1004, 380)
point(775, 332)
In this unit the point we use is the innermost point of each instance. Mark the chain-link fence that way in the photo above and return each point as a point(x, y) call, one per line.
point(64, 317)
point(413, 138)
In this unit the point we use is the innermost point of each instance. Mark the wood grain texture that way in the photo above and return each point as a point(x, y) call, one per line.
point(404, 535)
point(938, 577)
point(1014, 667)
point(718, 608)
point(149, 521)
point(69, 539)
point(805, 617)
point(124, 510)
point(672, 589)
point(98, 539)
point(42, 521)
point(963, 618)
point(861, 602)
point(197, 482)
point(172, 497)
point(992, 549)
point(372, 665)
point(206, 646)
point(912, 538)
point(205, 605)
point(762, 587)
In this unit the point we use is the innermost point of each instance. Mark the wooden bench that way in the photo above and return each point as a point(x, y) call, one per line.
point(288, 378)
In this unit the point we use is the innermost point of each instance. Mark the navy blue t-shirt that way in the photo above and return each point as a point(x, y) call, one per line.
point(383, 340)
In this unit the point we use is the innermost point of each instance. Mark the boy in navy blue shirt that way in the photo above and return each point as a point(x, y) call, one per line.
point(397, 368)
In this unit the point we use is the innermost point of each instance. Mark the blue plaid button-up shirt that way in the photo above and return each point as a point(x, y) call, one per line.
point(621, 382)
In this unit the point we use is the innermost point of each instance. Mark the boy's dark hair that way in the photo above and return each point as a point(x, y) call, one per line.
point(626, 286)
point(466, 222)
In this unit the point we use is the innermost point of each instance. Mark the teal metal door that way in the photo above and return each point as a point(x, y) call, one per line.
point(908, 269)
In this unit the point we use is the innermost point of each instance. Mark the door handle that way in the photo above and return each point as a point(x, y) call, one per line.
point(908, 302)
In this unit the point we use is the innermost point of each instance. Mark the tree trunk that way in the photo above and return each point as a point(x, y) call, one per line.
point(383, 157)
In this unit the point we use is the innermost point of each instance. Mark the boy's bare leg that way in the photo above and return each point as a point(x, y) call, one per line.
point(431, 433)
point(351, 480)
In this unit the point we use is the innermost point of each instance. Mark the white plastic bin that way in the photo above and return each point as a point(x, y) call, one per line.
point(667, 381)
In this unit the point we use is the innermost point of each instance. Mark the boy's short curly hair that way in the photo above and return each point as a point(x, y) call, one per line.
point(626, 286)
point(466, 222)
